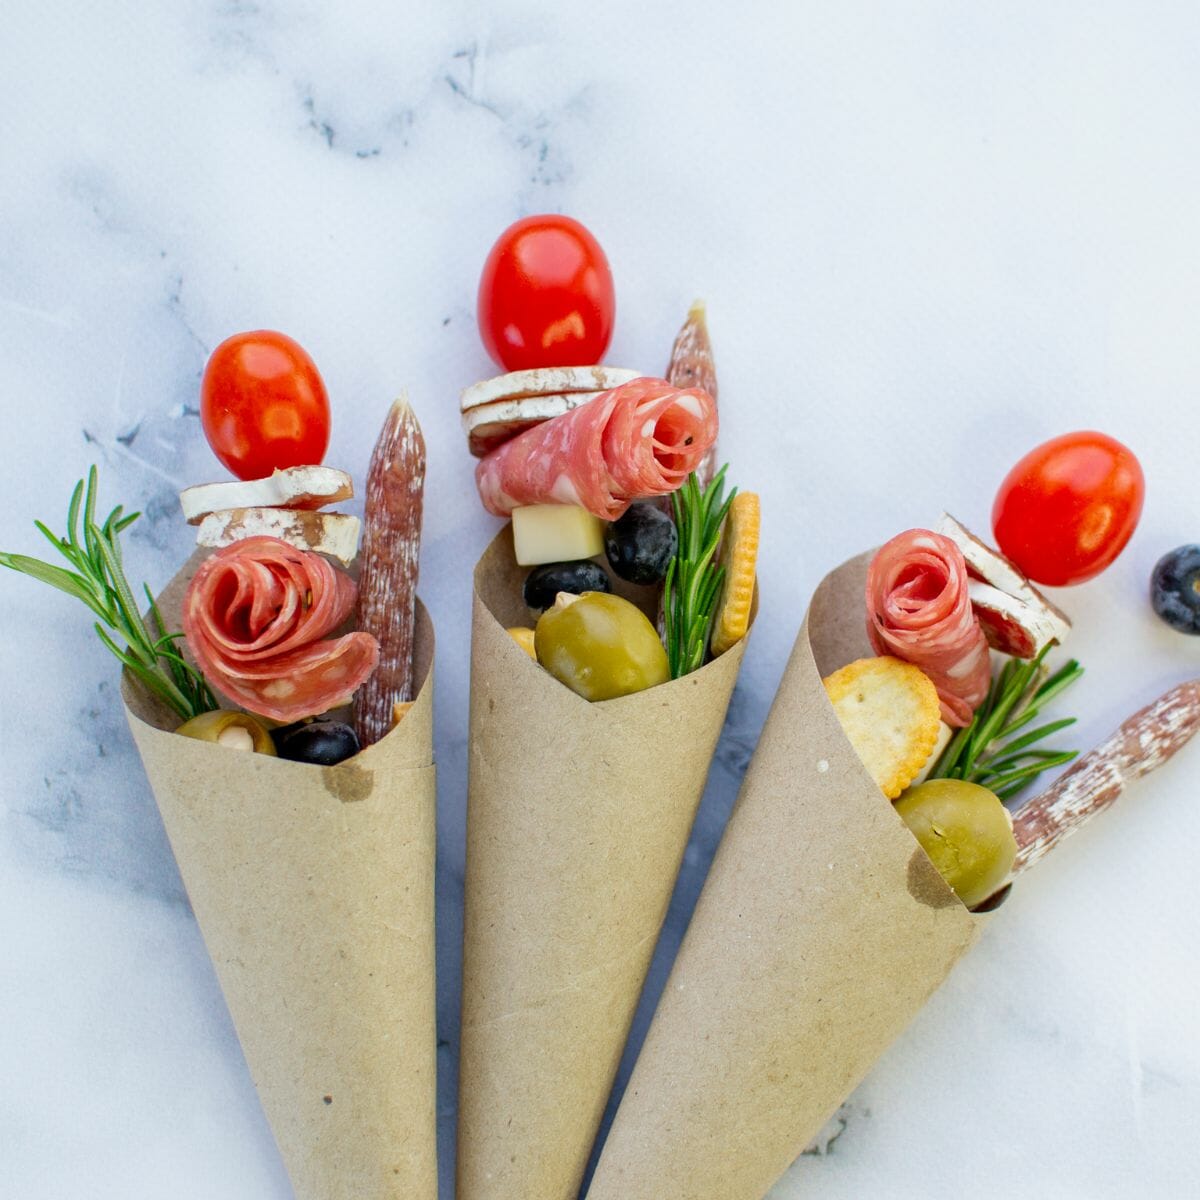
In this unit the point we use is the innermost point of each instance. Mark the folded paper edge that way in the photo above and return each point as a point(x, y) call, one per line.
point(629, 1142)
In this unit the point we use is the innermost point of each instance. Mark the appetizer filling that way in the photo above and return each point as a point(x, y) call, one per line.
point(260, 614)
point(609, 478)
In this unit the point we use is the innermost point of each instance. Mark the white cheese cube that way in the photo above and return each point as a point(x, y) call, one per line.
point(545, 533)
point(945, 733)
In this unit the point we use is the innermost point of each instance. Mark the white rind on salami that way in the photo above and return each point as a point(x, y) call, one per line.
point(1041, 619)
point(335, 534)
point(257, 616)
point(638, 440)
point(489, 426)
point(1010, 625)
point(919, 609)
point(306, 488)
point(544, 381)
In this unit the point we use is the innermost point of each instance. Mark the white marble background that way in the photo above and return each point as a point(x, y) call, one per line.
point(930, 235)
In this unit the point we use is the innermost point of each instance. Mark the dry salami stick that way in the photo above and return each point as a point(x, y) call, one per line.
point(391, 547)
point(1145, 741)
point(692, 366)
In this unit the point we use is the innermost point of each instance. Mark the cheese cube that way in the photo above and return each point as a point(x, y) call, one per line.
point(545, 533)
point(945, 733)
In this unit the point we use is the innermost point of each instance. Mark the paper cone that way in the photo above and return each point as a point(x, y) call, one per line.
point(821, 931)
point(313, 888)
point(578, 816)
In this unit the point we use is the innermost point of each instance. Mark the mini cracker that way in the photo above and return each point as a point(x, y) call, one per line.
point(739, 554)
point(890, 713)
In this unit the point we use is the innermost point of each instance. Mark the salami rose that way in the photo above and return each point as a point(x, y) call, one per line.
point(640, 439)
point(256, 616)
point(919, 609)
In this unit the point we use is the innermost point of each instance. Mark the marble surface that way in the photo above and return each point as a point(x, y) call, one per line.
point(929, 236)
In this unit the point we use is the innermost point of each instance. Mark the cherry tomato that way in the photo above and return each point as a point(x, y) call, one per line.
point(1069, 507)
point(546, 296)
point(263, 405)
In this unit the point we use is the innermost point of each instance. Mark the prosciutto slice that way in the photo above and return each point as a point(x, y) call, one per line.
point(919, 609)
point(256, 618)
point(640, 439)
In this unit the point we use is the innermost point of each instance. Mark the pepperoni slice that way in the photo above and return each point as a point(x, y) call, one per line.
point(919, 609)
point(256, 616)
point(640, 439)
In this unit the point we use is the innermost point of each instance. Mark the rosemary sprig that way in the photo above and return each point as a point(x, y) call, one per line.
point(694, 577)
point(99, 582)
point(992, 750)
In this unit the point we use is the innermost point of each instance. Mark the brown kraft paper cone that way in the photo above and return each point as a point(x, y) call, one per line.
point(578, 816)
point(821, 931)
point(313, 888)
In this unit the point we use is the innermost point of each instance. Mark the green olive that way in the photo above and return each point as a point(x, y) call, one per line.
point(228, 727)
point(600, 646)
point(966, 832)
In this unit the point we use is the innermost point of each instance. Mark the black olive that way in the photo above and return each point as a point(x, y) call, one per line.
point(641, 544)
point(1175, 589)
point(322, 742)
point(543, 583)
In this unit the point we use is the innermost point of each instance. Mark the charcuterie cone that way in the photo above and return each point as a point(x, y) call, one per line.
point(821, 931)
point(578, 816)
point(313, 888)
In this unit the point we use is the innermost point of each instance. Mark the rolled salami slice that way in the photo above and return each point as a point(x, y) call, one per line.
point(256, 616)
point(919, 609)
point(640, 439)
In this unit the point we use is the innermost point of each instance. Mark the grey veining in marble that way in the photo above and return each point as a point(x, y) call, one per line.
point(930, 235)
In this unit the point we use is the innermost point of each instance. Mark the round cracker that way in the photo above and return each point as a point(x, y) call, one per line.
point(890, 713)
point(544, 381)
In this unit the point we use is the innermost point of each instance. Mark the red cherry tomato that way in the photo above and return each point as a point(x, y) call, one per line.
point(263, 405)
point(546, 296)
point(1069, 507)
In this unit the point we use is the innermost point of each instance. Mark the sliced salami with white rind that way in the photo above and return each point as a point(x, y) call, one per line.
point(1041, 620)
point(1010, 625)
point(544, 381)
point(490, 425)
point(293, 487)
point(335, 534)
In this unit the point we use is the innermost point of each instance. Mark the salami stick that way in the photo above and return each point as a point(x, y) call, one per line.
point(692, 366)
point(391, 546)
point(1145, 741)
point(692, 361)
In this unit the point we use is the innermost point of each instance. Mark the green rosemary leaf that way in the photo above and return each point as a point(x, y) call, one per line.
point(694, 576)
point(98, 581)
point(56, 577)
point(1028, 773)
point(992, 750)
point(1036, 735)
point(55, 541)
point(73, 514)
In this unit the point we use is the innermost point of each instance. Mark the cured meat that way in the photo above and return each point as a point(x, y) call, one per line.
point(387, 591)
point(692, 365)
point(919, 609)
point(1141, 745)
point(256, 618)
point(640, 439)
